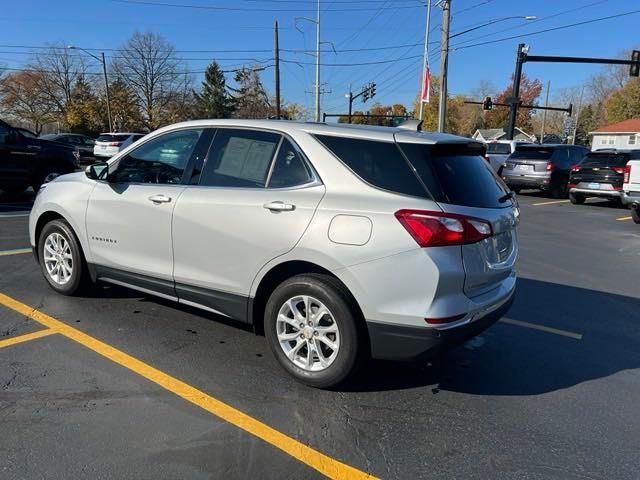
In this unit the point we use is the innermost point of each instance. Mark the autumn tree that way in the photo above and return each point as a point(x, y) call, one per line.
point(22, 99)
point(529, 92)
point(148, 65)
point(624, 103)
point(125, 111)
point(82, 114)
point(213, 100)
point(250, 98)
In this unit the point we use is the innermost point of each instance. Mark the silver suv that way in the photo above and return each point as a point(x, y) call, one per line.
point(338, 242)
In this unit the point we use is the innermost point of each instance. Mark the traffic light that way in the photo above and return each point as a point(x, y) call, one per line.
point(634, 70)
point(372, 89)
point(487, 104)
point(365, 94)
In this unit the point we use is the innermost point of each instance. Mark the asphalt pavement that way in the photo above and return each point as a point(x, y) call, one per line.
point(130, 386)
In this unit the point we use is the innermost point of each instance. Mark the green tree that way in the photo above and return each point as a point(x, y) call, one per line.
point(82, 114)
point(624, 103)
point(213, 100)
point(125, 112)
point(250, 98)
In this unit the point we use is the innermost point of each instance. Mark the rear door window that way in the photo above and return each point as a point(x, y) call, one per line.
point(240, 158)
point(456, 175)
point(380, 164)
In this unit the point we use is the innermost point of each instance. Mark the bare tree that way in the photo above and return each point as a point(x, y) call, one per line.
point(148, 65)
point(22, 99)
point(250, 97)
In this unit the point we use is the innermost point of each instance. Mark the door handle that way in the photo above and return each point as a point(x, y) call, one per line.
point(279, 206)
point(159, 198)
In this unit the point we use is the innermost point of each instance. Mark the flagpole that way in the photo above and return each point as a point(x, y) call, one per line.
point(425, 59)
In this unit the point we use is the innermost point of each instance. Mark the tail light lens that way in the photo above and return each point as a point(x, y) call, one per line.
point(550, 167)
point(575, 168)
point(626, 171)
point(115, 144)
point(437, 229)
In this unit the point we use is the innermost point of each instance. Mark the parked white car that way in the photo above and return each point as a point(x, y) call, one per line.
point(108, 144)
point(339, 242)
point(631, 189)
point(499, 150)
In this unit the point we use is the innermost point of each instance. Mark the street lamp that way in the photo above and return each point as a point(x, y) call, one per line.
point(106, 80)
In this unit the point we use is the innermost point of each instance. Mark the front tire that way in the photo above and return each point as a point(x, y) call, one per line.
point(61, 259)
point(311, 326)
point(576, 198)
point(635, 215)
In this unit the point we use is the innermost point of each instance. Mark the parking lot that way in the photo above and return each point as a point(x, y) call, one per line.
point(119, 385)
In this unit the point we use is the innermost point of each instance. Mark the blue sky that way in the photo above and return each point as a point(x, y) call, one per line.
point(349, 25)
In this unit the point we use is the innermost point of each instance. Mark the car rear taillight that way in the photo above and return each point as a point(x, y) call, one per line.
point(115, 144)
point(443, 320)
point(626, 171)
point(550, 167)
point(572, 185)
point(575, 168)
point(437, 229)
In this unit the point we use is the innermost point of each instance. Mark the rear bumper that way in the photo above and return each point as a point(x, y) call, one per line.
point(596, 193)
point(399, 342)
point(527, 181)
point(631, 198)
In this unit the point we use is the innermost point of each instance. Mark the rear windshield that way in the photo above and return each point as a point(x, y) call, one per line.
point(529, 153)
point(112, 138)
point(600, 160)
point(456, 174)
point(500, 148)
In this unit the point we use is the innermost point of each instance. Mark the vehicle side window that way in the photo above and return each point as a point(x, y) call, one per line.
point(4, 133)
point(161, 160)
point(290, 169)
point(239, 158)
point(379, 163)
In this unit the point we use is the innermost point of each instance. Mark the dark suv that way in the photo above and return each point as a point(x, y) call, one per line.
point(544, 167)
point(30, 162)
point(601, 174)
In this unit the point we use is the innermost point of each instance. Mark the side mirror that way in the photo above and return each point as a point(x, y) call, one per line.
point(97, 171)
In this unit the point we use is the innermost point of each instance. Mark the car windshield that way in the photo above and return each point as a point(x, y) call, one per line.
point(605, 160)
point(456, 174)
point(113, 138)
point(499, 148)
point(533, 153)
point(49, 136)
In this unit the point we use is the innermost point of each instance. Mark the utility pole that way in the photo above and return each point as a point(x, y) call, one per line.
point(514, 101)
point(277, 67)
point(575, 126)
point(544, 112)
point(318, 63)
point(444, 63)
point(426, 55)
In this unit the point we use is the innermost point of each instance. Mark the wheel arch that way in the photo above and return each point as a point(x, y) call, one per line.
point(287, 269)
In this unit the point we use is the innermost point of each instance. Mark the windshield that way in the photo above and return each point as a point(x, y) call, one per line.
point(113, 138)
point(456, 175)
point(499, 148)
point(610, 160)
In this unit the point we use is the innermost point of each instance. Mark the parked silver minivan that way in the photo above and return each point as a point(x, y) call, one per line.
point(338, 242)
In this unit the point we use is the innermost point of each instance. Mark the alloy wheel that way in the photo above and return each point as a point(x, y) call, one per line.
point(58, 258)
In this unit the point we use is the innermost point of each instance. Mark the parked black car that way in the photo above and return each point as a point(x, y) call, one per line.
point(543, 167)
point(83, 143)
point(601, 174)
point(26, 161)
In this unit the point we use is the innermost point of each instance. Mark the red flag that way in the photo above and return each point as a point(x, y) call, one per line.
point(424, 96)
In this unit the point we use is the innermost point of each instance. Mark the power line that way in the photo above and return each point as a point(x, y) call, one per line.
point(251, 9)
point(348, 64)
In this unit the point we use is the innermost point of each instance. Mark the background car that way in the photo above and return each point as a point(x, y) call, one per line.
point(26, 132)
point(601, 174)
point(631, 188)
point(26, 161)
point(543, 167)
point(83, 143)
point(108, 144)
point(499, 151)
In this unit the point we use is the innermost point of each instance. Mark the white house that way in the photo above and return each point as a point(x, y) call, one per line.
point(622, 135)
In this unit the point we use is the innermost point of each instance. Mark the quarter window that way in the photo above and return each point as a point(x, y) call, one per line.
point(161, 160)
point(239, 158)
point(290, 169)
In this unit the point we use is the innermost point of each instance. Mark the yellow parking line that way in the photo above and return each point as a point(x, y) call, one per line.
point(623, 218)
point(324, 464)
point(15, 252)
point(26, 337)
point(551, 202)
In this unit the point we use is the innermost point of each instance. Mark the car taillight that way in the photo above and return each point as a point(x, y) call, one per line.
point(626, 171)
point(443, 320)
point(115, 144)
point(551, 167)
point(575, 168)
point(436, 229)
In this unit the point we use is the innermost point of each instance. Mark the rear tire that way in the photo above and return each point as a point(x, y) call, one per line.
point(635, 215)
point(49, 174)
point(61, 258)
point(319, 349)
point(576, 198)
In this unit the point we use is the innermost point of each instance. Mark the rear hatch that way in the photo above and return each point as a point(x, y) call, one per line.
point(462, 183)
point(111, 140)
point(600, 171)
point(534, 159)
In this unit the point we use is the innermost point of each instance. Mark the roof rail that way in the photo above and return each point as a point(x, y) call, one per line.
point(411, 124)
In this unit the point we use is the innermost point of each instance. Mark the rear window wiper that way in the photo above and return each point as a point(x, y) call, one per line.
point(506, 197)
